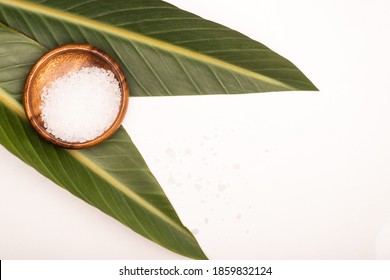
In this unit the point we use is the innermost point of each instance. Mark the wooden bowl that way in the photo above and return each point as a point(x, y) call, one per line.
point(57, 63)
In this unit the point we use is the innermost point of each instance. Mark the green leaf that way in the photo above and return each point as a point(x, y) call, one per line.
point(162, 49)
point(111, 176)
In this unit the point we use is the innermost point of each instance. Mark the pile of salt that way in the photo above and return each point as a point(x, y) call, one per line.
point(81, 105)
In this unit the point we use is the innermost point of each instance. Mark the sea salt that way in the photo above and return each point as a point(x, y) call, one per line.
point(82, 105)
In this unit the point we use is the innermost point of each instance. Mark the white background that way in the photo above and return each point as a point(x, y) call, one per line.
point(110, 269)
point(297, 175)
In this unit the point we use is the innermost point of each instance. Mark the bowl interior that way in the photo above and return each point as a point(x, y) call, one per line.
point(58, 63)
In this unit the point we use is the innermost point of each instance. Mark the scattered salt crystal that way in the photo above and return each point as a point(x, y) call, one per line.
point(82, 105)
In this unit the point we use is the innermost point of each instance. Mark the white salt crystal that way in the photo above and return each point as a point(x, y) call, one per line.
point(81, 105)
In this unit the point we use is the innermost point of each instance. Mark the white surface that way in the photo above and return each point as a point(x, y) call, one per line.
point(262, 176)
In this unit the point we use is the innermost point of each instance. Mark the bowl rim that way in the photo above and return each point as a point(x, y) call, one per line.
point(113, 67)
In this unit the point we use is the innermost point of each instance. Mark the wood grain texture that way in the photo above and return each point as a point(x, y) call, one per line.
point(57, 63)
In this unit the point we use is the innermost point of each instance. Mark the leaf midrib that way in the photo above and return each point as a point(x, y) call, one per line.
point(130, 35)
point(17, 108)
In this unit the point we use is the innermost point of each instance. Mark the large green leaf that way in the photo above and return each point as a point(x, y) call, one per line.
point(163, 50)
point(111, 176)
